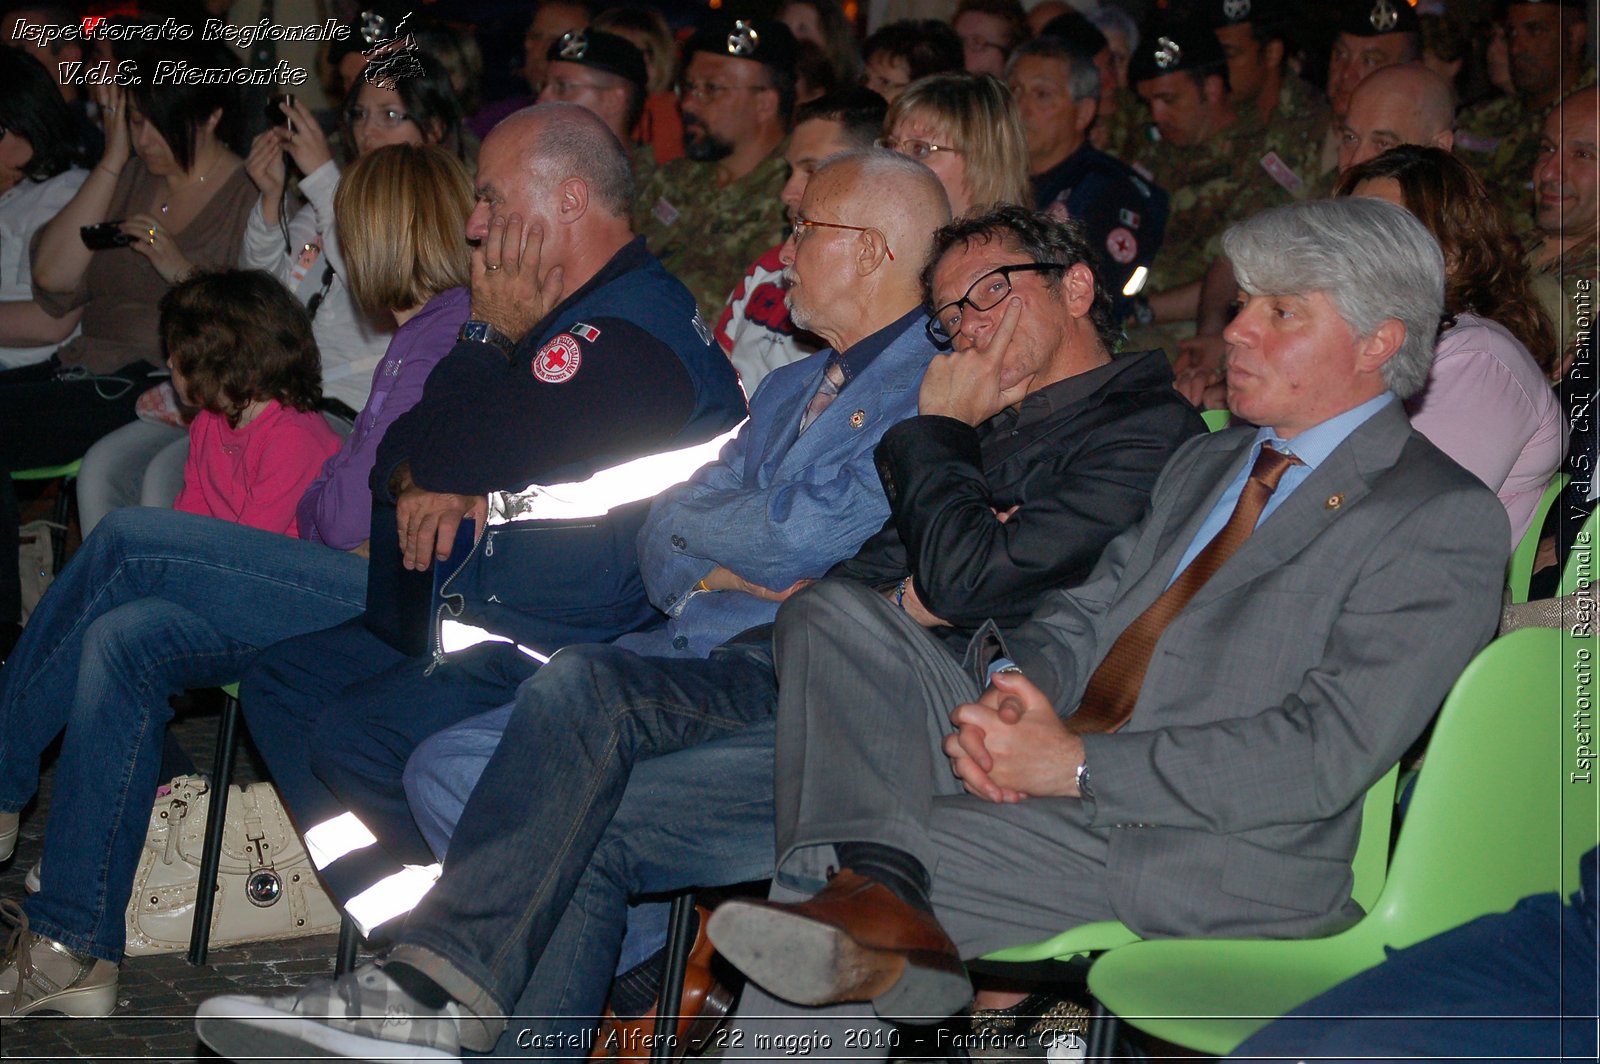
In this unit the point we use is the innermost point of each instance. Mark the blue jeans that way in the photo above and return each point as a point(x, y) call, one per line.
point(336, 713)
point(155, 602)
point(591, 719)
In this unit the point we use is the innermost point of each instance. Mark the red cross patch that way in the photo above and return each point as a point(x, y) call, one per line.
point(1122, 246)
point(558, 360)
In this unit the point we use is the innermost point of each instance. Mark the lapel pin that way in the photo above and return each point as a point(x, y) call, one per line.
point(858, 419)
point(1334, 501)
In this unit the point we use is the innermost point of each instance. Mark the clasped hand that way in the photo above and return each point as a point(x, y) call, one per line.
point(1010, 744)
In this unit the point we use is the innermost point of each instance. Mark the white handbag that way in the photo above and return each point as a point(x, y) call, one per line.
point(267, 889)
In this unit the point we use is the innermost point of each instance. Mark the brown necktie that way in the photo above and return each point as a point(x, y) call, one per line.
point(1114, 688)
point(827, 392)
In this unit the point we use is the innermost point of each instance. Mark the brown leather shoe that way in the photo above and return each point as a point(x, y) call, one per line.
point(701, 1009)
point(853, 941)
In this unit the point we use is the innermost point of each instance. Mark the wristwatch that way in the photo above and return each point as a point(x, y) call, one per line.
point(1084, 789)
point(484, 333)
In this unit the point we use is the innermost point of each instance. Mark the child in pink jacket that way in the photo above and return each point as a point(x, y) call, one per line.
point(241, 350)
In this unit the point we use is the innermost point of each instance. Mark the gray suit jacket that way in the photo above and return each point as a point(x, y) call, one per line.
point(1292, 681)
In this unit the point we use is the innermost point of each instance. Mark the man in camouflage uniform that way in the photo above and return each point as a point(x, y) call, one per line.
point(1292, 116)
point(1373, 34)
point(1499, 138)
point(604, 74)
point(708, 215)
point(1211, 164)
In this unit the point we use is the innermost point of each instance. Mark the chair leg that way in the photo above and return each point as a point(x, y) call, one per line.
point(1104, 1027)
point(344, 960)
point(216, 818)
point(680, 939)
point(65, 504)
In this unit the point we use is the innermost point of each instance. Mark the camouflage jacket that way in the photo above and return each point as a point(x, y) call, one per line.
point(706, 235)
point(1211, 186)
point(1126, 131)
point(1565, 288)
point(1294, 134)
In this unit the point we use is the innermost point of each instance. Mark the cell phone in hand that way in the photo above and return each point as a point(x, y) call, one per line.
point(276, 116)
point(104, 237)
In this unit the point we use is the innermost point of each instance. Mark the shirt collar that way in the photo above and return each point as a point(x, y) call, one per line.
point(1315, 444)
point(855, 360)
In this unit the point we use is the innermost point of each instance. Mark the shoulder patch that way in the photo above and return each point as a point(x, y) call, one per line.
point(558, 360)
point(585, 331)
point(1122, 245)
point(1281, 173)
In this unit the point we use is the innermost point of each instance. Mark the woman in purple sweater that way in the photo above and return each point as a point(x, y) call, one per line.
point(158, 601)
point(421, 284)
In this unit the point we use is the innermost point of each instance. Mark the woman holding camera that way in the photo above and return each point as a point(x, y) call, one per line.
point(179, 196)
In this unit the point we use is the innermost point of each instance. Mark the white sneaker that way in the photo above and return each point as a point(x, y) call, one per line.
point(30, 882)
point(38, 974)
point(363, 1015)
point(10, 824)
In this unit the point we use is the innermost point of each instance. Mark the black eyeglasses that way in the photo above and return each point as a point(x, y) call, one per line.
point(985, 293)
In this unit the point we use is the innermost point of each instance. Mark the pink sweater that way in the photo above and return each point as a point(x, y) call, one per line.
point(256, 474)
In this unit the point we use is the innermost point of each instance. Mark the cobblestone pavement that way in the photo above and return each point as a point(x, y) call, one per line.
point(157, 995)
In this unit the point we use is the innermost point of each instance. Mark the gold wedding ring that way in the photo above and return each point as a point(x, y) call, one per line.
point(491, 269)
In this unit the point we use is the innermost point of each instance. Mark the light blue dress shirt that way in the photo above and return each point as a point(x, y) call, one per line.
point(1312, 447)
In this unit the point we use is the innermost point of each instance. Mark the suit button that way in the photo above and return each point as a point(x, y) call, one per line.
point(677, 541)
point(679, 642)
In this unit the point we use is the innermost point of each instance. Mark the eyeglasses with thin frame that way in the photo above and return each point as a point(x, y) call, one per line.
point(383, 117)
point(986, 293)
point(915, 147)
point(711, 92)
point(802, 224)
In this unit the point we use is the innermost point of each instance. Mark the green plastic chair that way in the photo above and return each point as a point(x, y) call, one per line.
point(1371, 861)
point(65, 502)
point(1493, 819)
point(1580, 568)
point(1520, 569)
point(1216, 420)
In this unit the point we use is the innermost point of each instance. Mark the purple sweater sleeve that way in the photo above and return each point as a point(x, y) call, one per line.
point(337, 508)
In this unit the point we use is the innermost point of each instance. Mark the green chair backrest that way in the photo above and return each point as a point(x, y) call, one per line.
point(1485, 823)
point(1217, 420)
point(1519, 570)
point(1503, 807)
point(70, 469)
point(1578, 570)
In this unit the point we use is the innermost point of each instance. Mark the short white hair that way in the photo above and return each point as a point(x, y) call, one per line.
point(1373, 260)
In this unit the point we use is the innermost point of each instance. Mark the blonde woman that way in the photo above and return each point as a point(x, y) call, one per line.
point(966, 129)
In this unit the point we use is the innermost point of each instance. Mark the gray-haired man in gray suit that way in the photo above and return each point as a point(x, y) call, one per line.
point(1183, 741)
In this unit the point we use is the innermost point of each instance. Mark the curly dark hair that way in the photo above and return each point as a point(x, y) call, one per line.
point(238, 336)
point(1039, 236)
point(1484, 270)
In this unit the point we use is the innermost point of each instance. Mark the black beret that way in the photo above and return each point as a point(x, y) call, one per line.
point(602, 51)
point(759, 39)
point(1374, 18)
point(1219, 13)
point(1176, 47)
